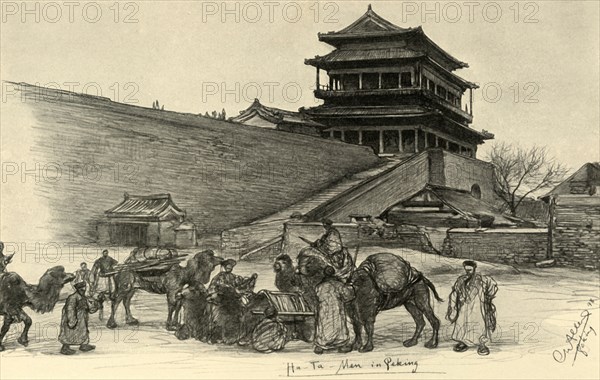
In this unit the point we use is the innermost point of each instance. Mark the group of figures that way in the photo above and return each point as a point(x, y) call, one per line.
point(92, 288)
point(344, 298)
point(338, 294)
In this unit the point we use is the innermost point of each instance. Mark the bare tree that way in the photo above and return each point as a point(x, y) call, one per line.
point(521, 172)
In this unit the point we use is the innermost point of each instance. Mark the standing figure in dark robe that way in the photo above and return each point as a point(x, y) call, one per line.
point(74, 321)
point(227, 298)
point(227, 278)
point(331, 247)
point(471, 310)
point(102, 279)
point(83, 275)
point(332, 321)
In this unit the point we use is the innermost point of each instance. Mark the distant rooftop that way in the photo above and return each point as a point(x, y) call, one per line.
point(148, 207)
point(273, 115)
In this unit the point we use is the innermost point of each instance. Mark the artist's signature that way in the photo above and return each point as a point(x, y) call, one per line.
point(577, 338)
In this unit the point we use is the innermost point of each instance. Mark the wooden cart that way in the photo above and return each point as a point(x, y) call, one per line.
point(273, 333)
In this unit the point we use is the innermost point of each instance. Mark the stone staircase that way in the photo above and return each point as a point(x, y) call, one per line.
point(263, 234)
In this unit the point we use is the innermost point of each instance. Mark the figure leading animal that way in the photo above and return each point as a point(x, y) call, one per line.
point(15, 294)
point(196, 273)
point(383, 281)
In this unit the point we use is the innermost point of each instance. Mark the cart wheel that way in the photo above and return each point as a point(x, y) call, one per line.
point(269, 336)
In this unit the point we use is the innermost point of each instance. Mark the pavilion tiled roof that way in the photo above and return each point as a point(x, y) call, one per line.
point(368, 23)
point(352, 55)
point(386, 111)
point(371, 27)
point(146, 207)
point(273, 115)
point(370, 110)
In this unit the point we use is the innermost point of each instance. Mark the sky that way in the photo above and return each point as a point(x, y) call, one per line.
point(537, 63)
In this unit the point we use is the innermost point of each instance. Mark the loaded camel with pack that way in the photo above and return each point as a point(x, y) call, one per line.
point(383, 281)
point(157, 271)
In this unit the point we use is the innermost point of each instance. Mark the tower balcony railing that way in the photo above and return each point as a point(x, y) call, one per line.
point(326, 92)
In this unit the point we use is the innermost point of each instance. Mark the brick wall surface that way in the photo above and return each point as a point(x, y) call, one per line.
point(576, 231)
point(222, 174)
point(505, 246)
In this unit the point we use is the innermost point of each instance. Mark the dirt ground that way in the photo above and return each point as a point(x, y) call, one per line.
point(537, 309)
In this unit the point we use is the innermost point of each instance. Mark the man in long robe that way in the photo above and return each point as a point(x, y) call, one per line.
point(331, 247)
point(227, 278)
point(74, 321)
point(332, 321)
point(102, 280)
point(471, 310)
point(83, 275)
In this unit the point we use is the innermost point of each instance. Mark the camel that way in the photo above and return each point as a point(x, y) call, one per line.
point(196, 273)
point(15, 294)
point(286, 278)
point(4, 259)
point(383, 281)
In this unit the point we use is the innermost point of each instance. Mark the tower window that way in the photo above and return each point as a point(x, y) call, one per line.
point(371, 138)
point(430, 85)
point(350, 82)
point(430, 140)
point(351, 137)
point(442, 92)
point(389, 80)
point(370, 81)
point(451, 98)
point(408, 141)
point(476, 191)
point(406, 79)
point(390, 141)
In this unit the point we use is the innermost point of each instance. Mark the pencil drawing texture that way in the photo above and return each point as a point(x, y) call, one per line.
point(164, 277)
point(377, 232)
point(41, 298)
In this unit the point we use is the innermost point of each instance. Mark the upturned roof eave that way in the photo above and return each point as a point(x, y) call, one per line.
point(156, 213)
point(273, 115)
point(320, 63)
point(334, 38)
point(319, 114)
